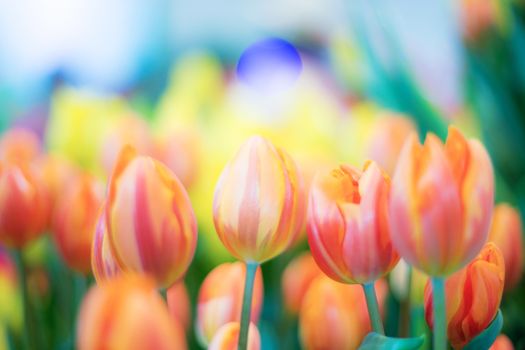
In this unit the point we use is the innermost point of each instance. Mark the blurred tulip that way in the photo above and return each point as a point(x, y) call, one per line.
point(103, 262)
point(334, 315)
point(179, 304)
point(296, 280)
point(127, 313)
point(75, 219)
point(441, 202)
point(479, 16)
point(502, 343)
point(258, 207)
point(227, 337)
point(507, 233)
point(220, 299)
point(19, 146)
point(11, 311)
point(348, 230)
point(150, 220)
point(24, 205)
point(473, 296)
point(387, 139)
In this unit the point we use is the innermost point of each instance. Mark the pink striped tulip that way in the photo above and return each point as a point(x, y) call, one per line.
point(259, 208)
point(348, 230)
point(151, 224)
point(441, 202)
point(227, 337)
point(103, 262)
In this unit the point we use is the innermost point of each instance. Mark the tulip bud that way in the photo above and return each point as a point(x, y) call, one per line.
point(75, 219)
point(24, 205)
point(258, 208)
point(502, 343)
point(348, 230)
point(127, 313)
point(506, 232)
point(220, 299)
point(150, 220)
point(472, 295)
point(296, 280)
point(227, 337)
point(103, 262)
point(335, 315)
point(19, 146)
point(441, 202)
point(179, 304)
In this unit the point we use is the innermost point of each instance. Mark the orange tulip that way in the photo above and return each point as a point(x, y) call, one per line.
point(258, 208)
point(335, 316)
point(227, 337)
point(502, 343)
point(103, 262)
point(348, 230)
point(75, 219)
point(220, 299)
point(179, 304)
point(506, 232)
point(127, 313)
point(441, 202)
point(473, 295)
point(296, 280)
point(24, 205)
point(150, 220)
point(20, 146)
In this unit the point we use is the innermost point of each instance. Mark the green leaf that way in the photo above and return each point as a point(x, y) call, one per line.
point(376, 341)
point(486, 338)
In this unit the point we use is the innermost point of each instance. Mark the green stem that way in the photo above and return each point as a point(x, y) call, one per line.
point(373, 308)
point(251, 268)
point(440, 322)
point(29, 338)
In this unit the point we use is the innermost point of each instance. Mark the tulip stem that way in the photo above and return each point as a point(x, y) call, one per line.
point(29, 341)
point(373, 308)
point(438, 301)
point(251, 268)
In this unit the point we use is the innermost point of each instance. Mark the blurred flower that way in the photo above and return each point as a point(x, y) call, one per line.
point(441, 202)
point(507, 233)
point(227, 337)
point(399, 283)
point(150, 220)
point(75, 219)
point(127, 313)
point(348, 230)
point(19, 146)
point(258, 207)
point(179, 304)
point(473, 295)
point(24, 205)
point(502, 343)
point(296, 280)
point(103, 262)
point(479, 16)
point(220, 299)
point(334, 315)
point(11, 311)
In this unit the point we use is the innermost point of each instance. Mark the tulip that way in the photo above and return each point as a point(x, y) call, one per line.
point(19, 146)
point(103, 262)
point(75, 219)
point(150, 220)
point(441, 202)
point(220, 299)
point(473, 296)
point(479, 16)
point(335, 315)
point(227, 337)
point(296, 280)
point(179, 304)
point(502, 343)
point(127, 313)
point(506, 232)
point(24, 205)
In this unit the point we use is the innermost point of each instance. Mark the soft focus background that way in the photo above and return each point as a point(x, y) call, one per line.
point(187, 81)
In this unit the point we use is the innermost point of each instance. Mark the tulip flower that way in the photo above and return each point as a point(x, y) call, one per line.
point(335, 315)
point(296, 280)
point(506, 232)
point(103, 262)
point(19, 146)
point(220, 299)
point(179, 304)
point(502, 343)
point(75, 219)
point(24, 205)
point(150, 220)
point(473, 296)
point(227, 337)
point(127, 313)
point(479, 16)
